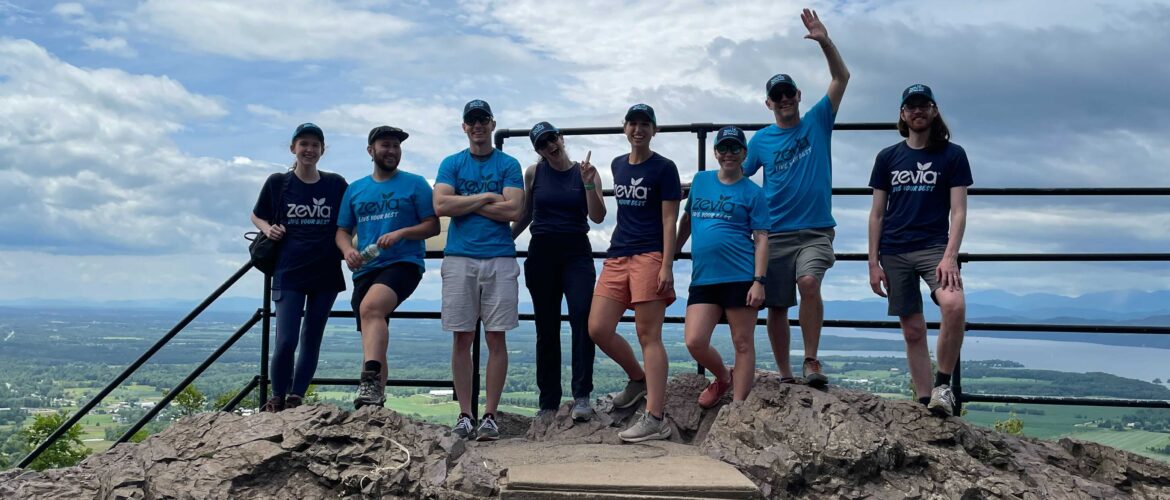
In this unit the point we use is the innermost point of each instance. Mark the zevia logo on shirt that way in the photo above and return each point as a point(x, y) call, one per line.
point(385, 208)
point(705, 208)
point(785, 158)
point(633, 195)
point(317, 213)
point(922, 179)
point(486, 184)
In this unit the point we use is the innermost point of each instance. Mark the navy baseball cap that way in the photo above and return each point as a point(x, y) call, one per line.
point(642, 111)
point(915, 90)
point(540, 130)
point(386, 130)
point(780, 79)
point(311, 129)
point(730, 133)
point(477, 106)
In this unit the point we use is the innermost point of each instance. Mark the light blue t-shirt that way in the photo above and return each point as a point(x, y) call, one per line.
point(798, 170)
point(473, 235)
point(376, 208)
point(722, 220)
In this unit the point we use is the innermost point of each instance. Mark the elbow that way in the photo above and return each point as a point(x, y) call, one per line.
point(598, 218)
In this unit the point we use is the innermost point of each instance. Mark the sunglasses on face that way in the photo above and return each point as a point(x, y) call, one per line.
point(784, 91)
point(472, 121)
point(546, 140)
point(729, 149)
point(918, 106)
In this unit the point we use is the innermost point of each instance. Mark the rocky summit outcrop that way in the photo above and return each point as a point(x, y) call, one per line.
point(790, 440)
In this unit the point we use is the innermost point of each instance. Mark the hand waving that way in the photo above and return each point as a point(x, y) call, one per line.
point(816, 30)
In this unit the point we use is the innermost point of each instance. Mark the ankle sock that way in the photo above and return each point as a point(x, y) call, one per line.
point(941, 378)
point(925, 400)
point(656, 417)
point(373, 366)
point(489, 416)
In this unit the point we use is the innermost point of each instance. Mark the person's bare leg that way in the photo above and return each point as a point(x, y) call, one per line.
point(700, 323)
point(378, 303)
point(917, 353)
point(812, 314)
point(497, 369)
point(648, 318)
point(461, 369)
point(780, 337)
point(743, 332)
point(953, 306)
point(604, 315)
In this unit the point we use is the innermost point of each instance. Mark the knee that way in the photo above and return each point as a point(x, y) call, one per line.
point(952, 306)
point(371, 313)
point(744, 345)
point(914, 333)
point(496, 341)
point(808, 285)
point(696, 344)
point(463, 341)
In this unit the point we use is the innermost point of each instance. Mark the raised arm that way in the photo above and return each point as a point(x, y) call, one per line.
point(837, 70)
point(948, 270)
point(877, 214)
point(510, 209)
point(594, 198)
point(525, 218)
point(449, 204)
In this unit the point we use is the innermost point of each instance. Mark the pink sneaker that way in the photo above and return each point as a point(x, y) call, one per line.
point(714, 392)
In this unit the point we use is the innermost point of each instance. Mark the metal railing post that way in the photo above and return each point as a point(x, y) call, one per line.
point(265, 333)
point(475, 374)
point(235, 401)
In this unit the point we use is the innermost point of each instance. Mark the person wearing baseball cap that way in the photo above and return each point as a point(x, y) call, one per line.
point(561, 196)
point(482, 189)
point(794, 154)
point(728, 265)
point(638, 272)
point(391, 213)
point(299, 209)
point(916, 225)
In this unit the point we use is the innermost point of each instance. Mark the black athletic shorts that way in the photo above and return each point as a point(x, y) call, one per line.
point(402, 277)
point(725, 295)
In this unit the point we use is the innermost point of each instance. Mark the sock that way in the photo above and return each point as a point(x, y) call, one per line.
point(941, 378)
point(656, 417)
point(925, 400)
point(373, 366)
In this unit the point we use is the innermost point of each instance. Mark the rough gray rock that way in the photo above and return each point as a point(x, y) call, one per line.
point(795, 441)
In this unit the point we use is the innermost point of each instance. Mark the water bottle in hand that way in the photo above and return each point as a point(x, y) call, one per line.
point(371, 252)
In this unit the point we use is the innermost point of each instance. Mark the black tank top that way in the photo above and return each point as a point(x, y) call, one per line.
point(558, 201)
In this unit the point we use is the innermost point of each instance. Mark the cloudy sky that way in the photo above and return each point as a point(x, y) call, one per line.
point(134, 135)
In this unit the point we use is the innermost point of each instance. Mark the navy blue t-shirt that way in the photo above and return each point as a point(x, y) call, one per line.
point(640, 190)
point(558, 201)
point(919, 183)
point(309, 260)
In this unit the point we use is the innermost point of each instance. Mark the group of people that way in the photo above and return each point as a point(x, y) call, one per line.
point(752, 247)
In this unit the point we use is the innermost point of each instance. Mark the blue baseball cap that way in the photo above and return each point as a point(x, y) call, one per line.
point(641, 111)
point(730, 133)
point(540, 130)
point(779, 79)
point(311, 129)
point(916, 90)
point(477, 107)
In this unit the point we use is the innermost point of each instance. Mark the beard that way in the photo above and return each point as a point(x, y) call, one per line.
point(913, 125)
point(385, 167)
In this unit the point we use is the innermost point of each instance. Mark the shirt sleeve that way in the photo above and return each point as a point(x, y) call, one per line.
point(446, 173)
point(822, 113)
point(960, 169)
point(879, 178)
point(345, 217)
point(752, 163)
point(264, 208)
point(671, 186)
point(759, 211)
point(424, 199)
point(513, 177)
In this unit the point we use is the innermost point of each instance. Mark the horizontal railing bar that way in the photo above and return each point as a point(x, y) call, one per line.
point(689, 127)
point(395, 382)
point(1049, 400)
point(963, 257)
point(1086, 191)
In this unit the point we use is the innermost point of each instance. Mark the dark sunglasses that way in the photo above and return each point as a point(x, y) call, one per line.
point(546, 140)
point(918, 106)
point(472, 121)
point(729, 148)
point(783, 91)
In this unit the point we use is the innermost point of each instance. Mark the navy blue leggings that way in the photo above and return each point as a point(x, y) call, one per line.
point(290, 307)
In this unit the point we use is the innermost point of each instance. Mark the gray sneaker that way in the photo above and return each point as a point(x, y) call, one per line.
point(942, 401)
point(645, 429)
point(629, 396)
point(582, 411)
point(370, 391)
point(811, 371)
point(464, 428)
point(488, 430)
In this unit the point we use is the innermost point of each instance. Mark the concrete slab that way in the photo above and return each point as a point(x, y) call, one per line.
point(672, 476)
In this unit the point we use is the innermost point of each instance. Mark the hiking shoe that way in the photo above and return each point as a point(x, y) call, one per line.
point(645, 429)
point(370, 390)
point(464, 428)
point(274, 404)
point(582, 411)
point(942, 401)
point(714, 392)
point(635, 390)
point(545, 411)
point(488, 430)
point(293, 401)
point(811, 371)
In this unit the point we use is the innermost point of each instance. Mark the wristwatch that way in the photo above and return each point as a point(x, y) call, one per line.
point(763, 280)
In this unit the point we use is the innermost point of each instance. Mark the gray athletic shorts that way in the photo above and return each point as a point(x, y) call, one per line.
point(807, 252)
point(903, 271)
point(480, 288)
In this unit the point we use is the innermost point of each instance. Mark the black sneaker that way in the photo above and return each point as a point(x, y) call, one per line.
point(293, 401)
point(488, 430)
point(464, 427)
point(370, 390)
point(274, 404)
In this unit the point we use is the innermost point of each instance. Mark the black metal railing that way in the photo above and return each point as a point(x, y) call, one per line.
point(265, 314)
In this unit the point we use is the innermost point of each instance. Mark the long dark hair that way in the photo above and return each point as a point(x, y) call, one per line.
point(939, 133)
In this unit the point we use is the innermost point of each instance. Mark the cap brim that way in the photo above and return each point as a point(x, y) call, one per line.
point(476, 112)
point(541, 136)
point(400, 135)
point(633, 115)
point(916, 94)
point(730, 139)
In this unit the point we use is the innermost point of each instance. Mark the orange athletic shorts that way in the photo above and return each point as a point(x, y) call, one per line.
point(632, 280)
